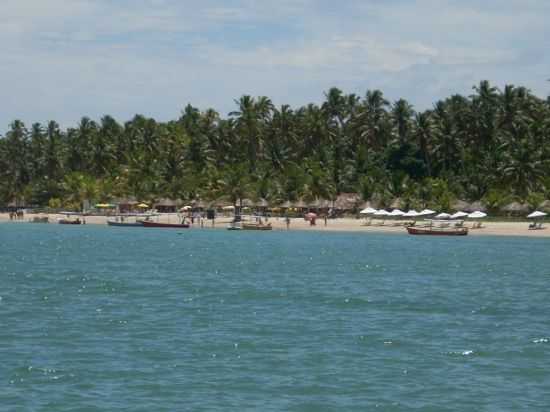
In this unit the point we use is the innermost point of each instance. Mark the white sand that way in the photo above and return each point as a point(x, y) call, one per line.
point(341, 224)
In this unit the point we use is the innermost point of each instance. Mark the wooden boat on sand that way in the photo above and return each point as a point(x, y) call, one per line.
point(148, 223)
point(249, 225)
point(124, 224)
point(437, 231)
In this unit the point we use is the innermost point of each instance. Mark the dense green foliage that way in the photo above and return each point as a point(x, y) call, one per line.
point(492, 146)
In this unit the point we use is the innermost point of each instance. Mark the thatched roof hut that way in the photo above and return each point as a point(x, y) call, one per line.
point(319, 204)
point(476, 206)
point(347, 201)
point(515, 208)
point(545, 206)
point(300, 204)
point(460, 205)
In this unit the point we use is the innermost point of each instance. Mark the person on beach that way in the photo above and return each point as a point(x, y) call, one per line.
point(325, 220)
point(287, 221)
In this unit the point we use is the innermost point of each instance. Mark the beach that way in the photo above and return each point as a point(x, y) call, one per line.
point(345, 224)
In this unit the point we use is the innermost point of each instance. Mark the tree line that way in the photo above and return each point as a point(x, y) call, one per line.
point(493, 146)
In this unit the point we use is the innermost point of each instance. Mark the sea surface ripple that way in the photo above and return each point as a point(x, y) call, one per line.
point(133, 319)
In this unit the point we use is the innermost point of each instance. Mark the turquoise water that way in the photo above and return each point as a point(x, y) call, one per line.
point(102, 319)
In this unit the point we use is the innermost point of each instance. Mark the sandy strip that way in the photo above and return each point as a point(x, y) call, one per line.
point(342, 225)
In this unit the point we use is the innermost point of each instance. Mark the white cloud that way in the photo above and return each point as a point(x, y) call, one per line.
point(67, 58)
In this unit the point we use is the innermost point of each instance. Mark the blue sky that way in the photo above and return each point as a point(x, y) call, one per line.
point(63, 59)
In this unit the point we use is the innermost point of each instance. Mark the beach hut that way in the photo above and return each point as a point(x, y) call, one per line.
point(475, 207)
point(347, 202)
point(166, 206)
point(459, 205)
point(126, 205)
point(515, 208)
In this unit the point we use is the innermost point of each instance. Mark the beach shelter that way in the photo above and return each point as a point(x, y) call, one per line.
point(228, 208)
point(396, 213)
point(427, 212)
point(443, 216)
point(143, 206)
point(185, 208)
point(536, 215)
point(477, 215)
point(381, 213)
point(367, 211)
point(459, 215)
point(411, 213)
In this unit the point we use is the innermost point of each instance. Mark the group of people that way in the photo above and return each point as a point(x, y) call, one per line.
point(17, 215)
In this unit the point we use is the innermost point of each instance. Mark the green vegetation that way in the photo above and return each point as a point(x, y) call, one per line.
point(492, 146)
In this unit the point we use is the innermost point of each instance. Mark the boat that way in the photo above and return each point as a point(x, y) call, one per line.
point(124, 224)
point(120, 221)
point(439, 229)
point(149, 223)
point(40, 219)
point(256, 226)
point(241, 224)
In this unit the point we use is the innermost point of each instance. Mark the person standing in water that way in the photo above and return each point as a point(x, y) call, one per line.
point(287, 221)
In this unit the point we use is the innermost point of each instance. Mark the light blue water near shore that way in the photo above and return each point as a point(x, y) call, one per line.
point(103, 319)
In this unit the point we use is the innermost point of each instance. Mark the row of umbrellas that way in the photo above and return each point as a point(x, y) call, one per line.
point(423, 213)
point(112, 206)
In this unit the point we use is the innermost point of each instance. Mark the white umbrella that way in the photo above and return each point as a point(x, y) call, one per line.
point(443, 216)
point(396, 213)
point(477, 215)
point(459, 215)
point(536, 214)
point(411, 213)
point(426, 212)
point(368, 211)
point(381, 212)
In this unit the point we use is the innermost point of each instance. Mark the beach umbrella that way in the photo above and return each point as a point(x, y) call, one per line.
point(396, 213)
point(368, 211)
point(311, 215)
point(411, 213)
point(104, 205)
point(143, 206)
point(427, 212)
point(443, 216)
point(228, 208)
point(381, 212)
point(477, 215)
point(459, 215)
point(536, 214)
point(185, 208)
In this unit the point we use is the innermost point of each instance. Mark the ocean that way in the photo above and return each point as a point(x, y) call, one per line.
point(131, 319)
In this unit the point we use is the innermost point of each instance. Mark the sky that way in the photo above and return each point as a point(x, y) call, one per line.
point(64, 59)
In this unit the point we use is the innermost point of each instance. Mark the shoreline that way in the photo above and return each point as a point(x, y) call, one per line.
point(491, 228)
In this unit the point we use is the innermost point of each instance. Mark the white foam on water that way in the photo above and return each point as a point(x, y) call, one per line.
point(541, 340)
